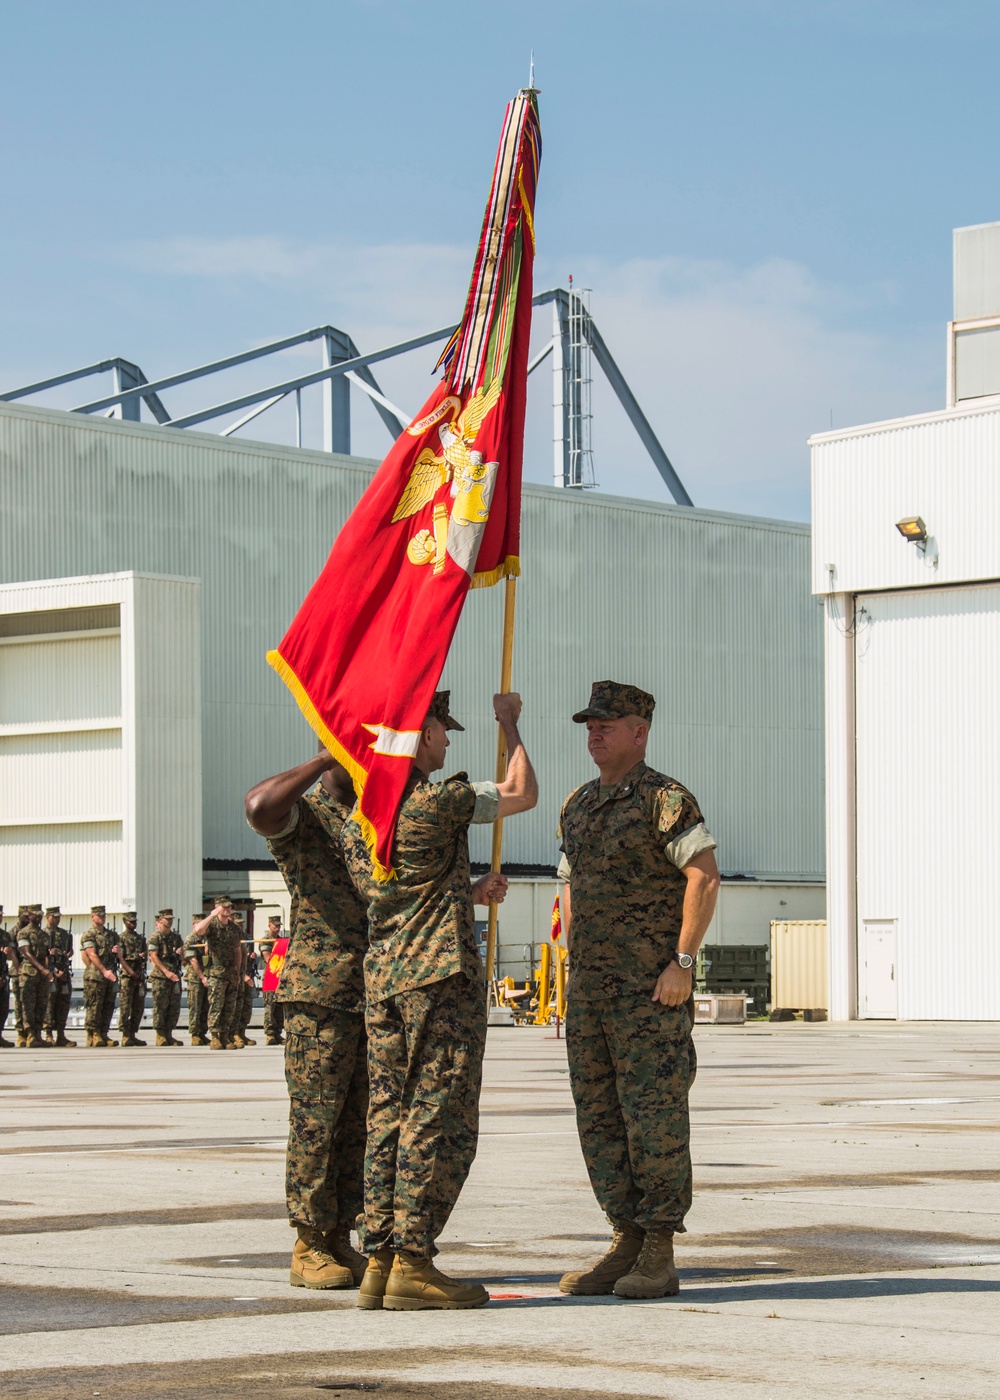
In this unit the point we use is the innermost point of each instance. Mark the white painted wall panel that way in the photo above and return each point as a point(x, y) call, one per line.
point(941, 466)
point(709, 611)
point(62, 865)
point(72, 679)
point(61, 777)
point(928, 801)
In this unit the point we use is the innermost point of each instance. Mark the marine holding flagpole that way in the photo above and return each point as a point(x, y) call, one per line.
point(363, 658)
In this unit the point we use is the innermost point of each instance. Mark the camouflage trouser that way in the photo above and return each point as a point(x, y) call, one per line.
point(244, 1008)
point(15, 988)
point(166, 1005)
point(197, 1008)
point(631, 1064)
point(274, 1017)
point(57, 1007)
point(327, 1077)
point(4, 1004)
point(222, 1000)
point(425, 1066)
point(99, 1005)
point(34, 999)
point(131, 1004)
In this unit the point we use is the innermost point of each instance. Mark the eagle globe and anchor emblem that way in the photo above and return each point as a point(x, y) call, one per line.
point(456, 532)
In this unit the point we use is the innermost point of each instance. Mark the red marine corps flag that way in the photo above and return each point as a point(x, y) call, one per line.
point(364, 655)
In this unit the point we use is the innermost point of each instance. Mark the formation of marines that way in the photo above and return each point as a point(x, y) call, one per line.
point(119, 966)
point(384, 1005)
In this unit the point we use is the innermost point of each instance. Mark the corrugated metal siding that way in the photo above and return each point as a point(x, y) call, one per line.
point(61, 865)
point(61, 777)
point(939, 466)
point(58, 681)
point(928, 803)
point(710, 612)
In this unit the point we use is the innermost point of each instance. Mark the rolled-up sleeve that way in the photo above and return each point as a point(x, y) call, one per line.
point(564, 869)
point(693, 842)
point(487, 805)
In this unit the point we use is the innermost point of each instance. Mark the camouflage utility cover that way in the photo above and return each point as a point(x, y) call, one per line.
point(614, 700)
point(421, 924)
point(624, 851)
point(167, 944)
point(103, 941)
point(328, 925)
point(223, 943)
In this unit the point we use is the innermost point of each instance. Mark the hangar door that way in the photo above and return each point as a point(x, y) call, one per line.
point(927, 695)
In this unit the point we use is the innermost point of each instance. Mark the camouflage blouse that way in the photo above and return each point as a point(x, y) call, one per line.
point(421, 924)
point(103, 941)
point(36, 940)
point(132, 947)
point(624, 849)
point(167, 945)
point(193, 949)
point(223, 944)
point(328, 926)
point(60, 942)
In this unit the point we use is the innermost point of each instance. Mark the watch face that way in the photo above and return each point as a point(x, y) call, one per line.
point(685, 960)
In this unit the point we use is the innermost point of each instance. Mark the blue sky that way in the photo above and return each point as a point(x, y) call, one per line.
point(760, 195)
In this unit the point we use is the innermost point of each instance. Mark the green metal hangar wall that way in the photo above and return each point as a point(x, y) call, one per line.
point(711, 612)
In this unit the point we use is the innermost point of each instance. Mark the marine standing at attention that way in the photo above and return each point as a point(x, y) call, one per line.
point(274, 1017)
point(426, 1013)
point(165, 948)
point(132, 952)
point(641, 885)
point(100, 981)
point(5, 974)
point(61, 987)
point(14, 963)
point(301, 814)
point(33, 950)
point(220, 934)
point(196, 976)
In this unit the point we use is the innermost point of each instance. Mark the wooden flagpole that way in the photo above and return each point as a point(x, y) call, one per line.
point(506, 668)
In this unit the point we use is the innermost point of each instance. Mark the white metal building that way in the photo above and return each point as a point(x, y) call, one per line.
point(100, 752)
point(711, 612)
point(912, 677)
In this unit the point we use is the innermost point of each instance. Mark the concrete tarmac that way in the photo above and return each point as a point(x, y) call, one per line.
point(844, 1238)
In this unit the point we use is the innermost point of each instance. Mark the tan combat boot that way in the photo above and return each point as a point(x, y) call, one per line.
point(415, 1284)
point(248, 1041)
point(312, 1267)
point(198, 1040)
point(22, 1040)
point(237, 1042)
point(131, 1041)
point(373, 1285)
point(161, 1039)
point(34, 1041)
point(216, 1044)
point(602, 1277)
point(654, 1275)
point(64, 1042)
point(338, 1244)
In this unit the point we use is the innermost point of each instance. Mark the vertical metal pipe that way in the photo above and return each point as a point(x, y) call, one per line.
point(298, 417)
point(559, 444)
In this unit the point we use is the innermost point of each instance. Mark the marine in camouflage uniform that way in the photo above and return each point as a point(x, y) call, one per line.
point(637, 859)
point(14, 967)
point(132, 953)
point(321, 995)
point(220, 934)
point(247, 988)
point(197, 963)
point(426, 1017)
point(61, 990)
point(35, 977)
point(100, 979)
point(165, 951)
point(8, 955)
point(274, 1013)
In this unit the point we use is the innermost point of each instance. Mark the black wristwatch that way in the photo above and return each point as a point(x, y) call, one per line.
point(684, 960)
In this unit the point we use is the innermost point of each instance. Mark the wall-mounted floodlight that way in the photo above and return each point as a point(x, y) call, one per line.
point(912, 528)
